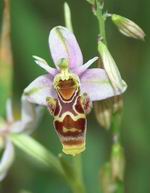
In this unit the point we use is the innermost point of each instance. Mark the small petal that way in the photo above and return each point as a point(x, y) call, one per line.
point(43, 64)
point(7, 159)
point(79, 70)
point(96, 84)
point(63, 44)
point(40, 89)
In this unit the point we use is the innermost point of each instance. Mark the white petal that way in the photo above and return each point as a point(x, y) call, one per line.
point(96, 84)
point(40, 89)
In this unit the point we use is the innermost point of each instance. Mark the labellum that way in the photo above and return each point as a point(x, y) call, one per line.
point(69, 111)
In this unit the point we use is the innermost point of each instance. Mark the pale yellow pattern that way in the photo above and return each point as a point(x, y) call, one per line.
point(73, 149)
point(65, 130)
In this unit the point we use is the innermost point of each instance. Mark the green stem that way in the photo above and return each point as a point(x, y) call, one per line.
point(78, 170)
point(120, 187)
point(115, 126)
point(116, 117)
point(73, 173)
point(78, 166)
point(101, 21)
point(78, 187)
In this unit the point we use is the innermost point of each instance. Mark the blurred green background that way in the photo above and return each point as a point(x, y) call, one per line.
point(31, 23)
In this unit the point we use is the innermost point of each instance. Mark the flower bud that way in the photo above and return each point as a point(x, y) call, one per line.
point(107, 184)
point(117, 162)
point(117, 104)
point(105, 108)
point(111, 69)
point(103, 112)
point(67, 16)
point(128, 27)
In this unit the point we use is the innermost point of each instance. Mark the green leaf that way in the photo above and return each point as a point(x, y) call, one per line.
point(37, 152)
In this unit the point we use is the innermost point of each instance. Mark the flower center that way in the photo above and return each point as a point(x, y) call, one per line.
point(66, 83)
point(67, 88)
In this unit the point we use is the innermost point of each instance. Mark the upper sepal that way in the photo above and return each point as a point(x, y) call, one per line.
point(63, 44)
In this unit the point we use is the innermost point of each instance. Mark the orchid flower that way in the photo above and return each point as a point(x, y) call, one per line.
point(9, 126)
point(69, 89)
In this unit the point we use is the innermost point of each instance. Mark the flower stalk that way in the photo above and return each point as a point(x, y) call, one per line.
point(103, 50)
point(101, 20)
point(109, 182)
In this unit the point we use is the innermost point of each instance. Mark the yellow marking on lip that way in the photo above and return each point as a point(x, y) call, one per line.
point(65, 130)
point(74, 117)
point(73, 149)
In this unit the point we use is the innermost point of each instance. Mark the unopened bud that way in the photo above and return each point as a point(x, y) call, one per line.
point(67, 16)
point(106, 181)
point(111, 69)
point(117, 162)
point(117, 104)
point(128, 27)
point(103, 112)
point(106, 108)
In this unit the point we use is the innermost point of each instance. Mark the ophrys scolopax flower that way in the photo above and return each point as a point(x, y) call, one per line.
point(69, 89)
